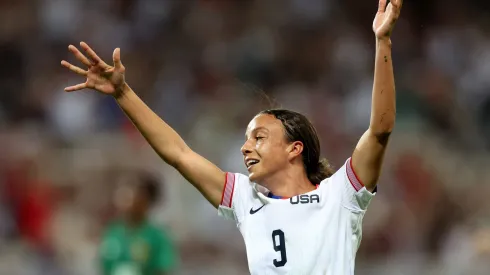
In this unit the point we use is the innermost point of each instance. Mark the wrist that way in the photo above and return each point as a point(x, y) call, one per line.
point(121, 91)
point(383, 41)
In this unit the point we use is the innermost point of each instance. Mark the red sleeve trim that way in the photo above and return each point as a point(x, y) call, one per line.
point(353, 178)
point(228, 190)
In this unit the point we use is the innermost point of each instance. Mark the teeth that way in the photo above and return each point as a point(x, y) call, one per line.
point(252, 162)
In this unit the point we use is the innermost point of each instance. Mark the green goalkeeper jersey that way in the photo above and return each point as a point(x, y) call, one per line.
point(143, 250)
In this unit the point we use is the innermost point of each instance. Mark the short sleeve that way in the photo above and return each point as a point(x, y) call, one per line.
point(237, 195)
point(165, 256)
point(354, 196)
point(106, 253)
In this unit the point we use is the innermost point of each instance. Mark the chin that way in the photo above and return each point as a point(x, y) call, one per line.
point(253, 177)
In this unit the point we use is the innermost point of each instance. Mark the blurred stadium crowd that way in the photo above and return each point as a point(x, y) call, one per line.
point(207, 66)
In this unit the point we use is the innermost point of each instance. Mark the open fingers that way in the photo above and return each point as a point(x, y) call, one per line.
point(382, 5)
point(74, 68)
point(82, 58)
point(92, 55)
point(76, 87)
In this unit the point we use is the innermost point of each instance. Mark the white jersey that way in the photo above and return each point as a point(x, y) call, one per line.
point(318, 232)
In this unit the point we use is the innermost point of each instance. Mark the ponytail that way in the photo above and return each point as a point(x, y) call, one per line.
point(298, 128)
point(322, 170)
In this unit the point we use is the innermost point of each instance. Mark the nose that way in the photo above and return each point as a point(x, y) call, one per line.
point(246, 148)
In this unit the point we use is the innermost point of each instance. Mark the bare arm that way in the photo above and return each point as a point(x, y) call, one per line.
point(200, 172)
point(368, 156)
point(204, 175)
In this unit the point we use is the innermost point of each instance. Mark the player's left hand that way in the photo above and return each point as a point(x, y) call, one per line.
point(386, 17)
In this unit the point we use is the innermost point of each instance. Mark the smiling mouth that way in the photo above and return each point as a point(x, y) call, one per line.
point(251, 163)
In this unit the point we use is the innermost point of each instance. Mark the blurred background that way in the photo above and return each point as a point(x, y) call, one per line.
point(206, 67)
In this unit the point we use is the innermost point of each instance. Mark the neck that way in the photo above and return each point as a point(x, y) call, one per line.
point(289, 183)
point(135, 220)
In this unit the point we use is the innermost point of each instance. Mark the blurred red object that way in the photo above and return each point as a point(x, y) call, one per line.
point(33, 202)
point(34, 214)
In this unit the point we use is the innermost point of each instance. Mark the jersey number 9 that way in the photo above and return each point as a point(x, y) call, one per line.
point(279, 244)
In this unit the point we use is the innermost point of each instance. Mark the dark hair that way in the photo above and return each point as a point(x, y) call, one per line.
point(298, 128)
point(150, 186)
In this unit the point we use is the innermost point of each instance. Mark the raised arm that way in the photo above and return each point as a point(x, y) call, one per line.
point(368, 156)
point(109, 80)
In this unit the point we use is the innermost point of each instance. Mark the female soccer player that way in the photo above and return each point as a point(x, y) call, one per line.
point(295, 216)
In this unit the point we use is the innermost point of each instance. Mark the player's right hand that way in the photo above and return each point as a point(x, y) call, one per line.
point(386, 17)
point(101, 77)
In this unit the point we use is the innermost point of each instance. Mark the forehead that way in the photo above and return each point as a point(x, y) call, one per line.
point(264, 122)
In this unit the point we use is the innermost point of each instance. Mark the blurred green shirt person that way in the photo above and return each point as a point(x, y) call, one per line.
point(133, 245)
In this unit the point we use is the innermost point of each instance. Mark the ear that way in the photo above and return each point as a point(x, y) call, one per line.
point(295, 149)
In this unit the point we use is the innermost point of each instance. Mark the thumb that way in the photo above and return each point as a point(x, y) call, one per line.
point(116, 57)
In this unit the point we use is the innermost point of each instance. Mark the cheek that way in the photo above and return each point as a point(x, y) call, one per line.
point(272, 154)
